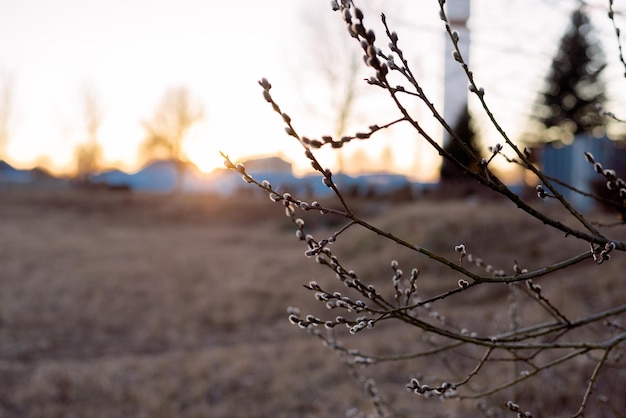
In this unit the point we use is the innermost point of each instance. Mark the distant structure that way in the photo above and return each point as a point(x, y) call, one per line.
point(567, 163)
point(162, 176)
point(455, 81)
point(13, 177)
point(268, 164)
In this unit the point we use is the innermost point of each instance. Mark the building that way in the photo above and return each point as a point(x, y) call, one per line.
point(567, 163)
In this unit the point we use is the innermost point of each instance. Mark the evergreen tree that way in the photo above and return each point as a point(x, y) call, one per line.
point(573, 85)
point(465, 131)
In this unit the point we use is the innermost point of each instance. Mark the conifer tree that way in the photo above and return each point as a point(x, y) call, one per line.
point(573, 85)
point(465, 131)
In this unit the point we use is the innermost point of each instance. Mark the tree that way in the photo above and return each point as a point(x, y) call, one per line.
point(6, 111)
point(567, 106)
point(529, 342)
point(464, 148)
point(88, 154)
point(333, 59)
point(173, 117)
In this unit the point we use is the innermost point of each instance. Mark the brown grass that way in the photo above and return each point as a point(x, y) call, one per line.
point(152, 306)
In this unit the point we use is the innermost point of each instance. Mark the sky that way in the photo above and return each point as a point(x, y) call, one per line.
point(128, 53)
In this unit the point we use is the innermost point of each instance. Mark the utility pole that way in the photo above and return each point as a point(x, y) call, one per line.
point(455, 81)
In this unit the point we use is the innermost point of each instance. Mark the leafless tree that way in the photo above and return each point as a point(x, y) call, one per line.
point(331, 56)
point(177, 112)
point(88, 154)
point(6, 111)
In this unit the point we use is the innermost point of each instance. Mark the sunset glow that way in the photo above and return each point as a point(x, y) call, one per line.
point(129, 53)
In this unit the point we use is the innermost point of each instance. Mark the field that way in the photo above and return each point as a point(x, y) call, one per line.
point(122, 305)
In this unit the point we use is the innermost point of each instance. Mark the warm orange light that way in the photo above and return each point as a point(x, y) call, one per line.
point(204, 155)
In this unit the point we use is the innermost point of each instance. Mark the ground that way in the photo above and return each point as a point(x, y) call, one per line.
point(118, 304)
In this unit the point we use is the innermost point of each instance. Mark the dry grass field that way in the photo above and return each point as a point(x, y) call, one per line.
point(122, 305)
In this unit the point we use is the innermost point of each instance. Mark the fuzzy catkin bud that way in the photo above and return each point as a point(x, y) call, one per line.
point(315, 143)
point(267, 96)
point(541, 192)
point(597, 167)
point(290, 131)
point(347, 17)
point(512, 406)
point(229, 164)
point(265, 84)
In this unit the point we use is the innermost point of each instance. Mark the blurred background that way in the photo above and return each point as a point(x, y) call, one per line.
point(122, 296)
point(74, 73)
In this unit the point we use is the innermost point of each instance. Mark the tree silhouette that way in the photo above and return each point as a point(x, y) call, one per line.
point(88, 155)
point(573, 85)
point(6, 110)
point(334, 60)
point(173, 117)
point(466, 133)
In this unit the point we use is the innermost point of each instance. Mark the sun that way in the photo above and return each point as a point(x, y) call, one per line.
point(207, 162)
point(205, 156)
